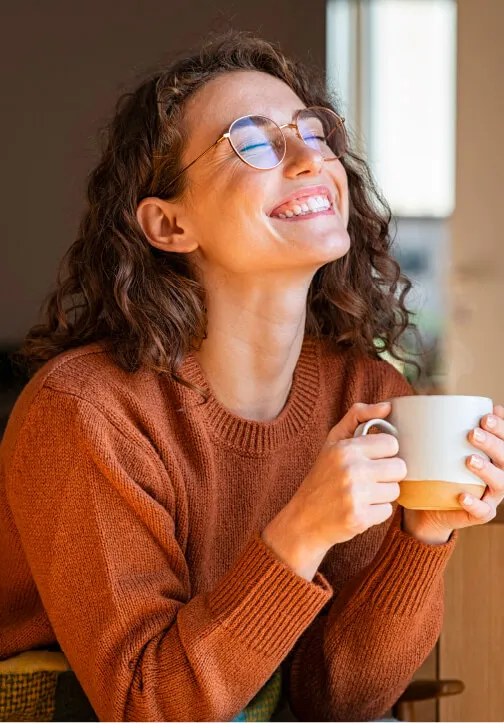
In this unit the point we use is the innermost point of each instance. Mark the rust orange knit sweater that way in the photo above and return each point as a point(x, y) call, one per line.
point(130, 518)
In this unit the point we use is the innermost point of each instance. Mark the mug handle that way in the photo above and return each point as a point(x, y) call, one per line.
point(363, 428)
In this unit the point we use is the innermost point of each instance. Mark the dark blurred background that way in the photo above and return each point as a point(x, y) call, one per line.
point(420, 83)
point(64, 66)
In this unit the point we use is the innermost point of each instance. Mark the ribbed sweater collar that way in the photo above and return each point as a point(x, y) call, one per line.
point(254, 437)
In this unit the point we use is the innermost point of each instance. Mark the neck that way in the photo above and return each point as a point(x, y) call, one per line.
point(249, 358)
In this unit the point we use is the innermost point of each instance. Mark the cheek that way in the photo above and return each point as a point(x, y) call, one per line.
point(234, 191)
point(341, 182)
point(242, 199)
point(227, 218)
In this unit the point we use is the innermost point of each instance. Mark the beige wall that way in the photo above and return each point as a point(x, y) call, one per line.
point(472, 640)
point(475, 343)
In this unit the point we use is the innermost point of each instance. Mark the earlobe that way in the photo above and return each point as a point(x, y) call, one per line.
point(160, 222)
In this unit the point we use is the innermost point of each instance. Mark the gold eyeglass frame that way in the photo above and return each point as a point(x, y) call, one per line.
point(294, 124)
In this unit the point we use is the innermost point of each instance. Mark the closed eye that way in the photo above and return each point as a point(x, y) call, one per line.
point(244, 149)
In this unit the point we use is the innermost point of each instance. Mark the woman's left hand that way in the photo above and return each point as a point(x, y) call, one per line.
point(436, 526)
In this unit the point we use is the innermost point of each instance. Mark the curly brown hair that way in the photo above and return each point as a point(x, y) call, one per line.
point(147, 307)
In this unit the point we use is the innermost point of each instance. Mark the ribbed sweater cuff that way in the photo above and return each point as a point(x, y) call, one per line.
point(403, 575)
point(265, 603)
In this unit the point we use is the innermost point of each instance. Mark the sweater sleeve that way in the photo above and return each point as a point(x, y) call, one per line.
point(96, 520)
point(356, 661)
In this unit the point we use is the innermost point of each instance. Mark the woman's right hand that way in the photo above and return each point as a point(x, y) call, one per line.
point(350, 488)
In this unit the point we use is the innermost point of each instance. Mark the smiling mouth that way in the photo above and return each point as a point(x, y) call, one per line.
point(305, 207)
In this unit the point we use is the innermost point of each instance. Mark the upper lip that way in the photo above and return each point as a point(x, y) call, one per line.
point(305, 191)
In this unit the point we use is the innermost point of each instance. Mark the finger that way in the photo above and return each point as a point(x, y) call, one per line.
point(491, 475)
point(488, 443)
point(384, 492)
point(388, 470)
point(490, 500)
point(493, 424)
point(376, 514)
point(358, 413)
point(499, 410)
point(376, 446)
point(478, 511)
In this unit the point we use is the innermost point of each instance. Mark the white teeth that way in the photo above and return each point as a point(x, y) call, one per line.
point(309, 205)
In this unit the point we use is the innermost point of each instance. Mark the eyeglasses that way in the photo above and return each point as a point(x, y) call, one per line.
point(260, 142)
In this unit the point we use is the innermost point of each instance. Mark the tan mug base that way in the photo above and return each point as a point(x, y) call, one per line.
point(435, 494)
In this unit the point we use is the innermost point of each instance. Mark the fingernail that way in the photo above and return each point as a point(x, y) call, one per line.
point(476, 461)
point(491, 421)
point(479, 434)
point(467, 500)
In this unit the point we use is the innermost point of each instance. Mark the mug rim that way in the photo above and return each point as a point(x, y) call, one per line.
point(438, 396)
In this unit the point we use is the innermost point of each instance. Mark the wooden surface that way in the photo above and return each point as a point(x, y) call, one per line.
point(471, 646)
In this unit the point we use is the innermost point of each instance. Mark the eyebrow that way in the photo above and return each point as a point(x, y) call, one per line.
point(245, 115)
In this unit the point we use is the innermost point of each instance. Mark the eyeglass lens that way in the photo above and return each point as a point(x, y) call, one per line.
point(261, 144)
point(258, 141)
point(323, 130)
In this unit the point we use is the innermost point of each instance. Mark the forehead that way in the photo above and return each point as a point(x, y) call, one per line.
point(227, 97)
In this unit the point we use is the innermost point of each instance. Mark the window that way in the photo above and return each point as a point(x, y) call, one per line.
point(391, 65)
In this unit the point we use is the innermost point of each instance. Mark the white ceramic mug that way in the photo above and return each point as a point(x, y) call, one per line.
point(432, 433)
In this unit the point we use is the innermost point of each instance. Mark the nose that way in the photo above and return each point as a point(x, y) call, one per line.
point(301, 158)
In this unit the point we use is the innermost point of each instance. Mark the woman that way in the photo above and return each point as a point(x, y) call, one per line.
point(184, 509)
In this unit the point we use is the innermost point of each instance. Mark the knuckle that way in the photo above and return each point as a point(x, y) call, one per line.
point(345, 443)
point(498, 485)
point(492, 475)
point(342, 452)
point(353, 473)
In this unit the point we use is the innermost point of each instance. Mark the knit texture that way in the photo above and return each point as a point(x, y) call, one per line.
point(130, 521)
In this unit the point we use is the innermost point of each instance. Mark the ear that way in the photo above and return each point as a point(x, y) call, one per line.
point(162, 225)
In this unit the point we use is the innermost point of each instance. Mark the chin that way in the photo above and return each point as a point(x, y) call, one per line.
point(326, 246)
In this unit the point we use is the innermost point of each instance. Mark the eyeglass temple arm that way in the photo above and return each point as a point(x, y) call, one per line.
point(224, 135)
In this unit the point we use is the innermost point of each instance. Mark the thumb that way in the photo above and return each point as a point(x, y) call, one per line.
point(358, 413)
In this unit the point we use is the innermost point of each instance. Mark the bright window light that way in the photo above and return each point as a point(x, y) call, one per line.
point(404, 57)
